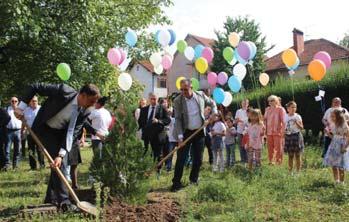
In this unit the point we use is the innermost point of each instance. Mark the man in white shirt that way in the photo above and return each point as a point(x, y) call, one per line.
point(328, 124)
point(241, 119)
point(101, 120)
point(13, 136)
point(30, 114)
point(189, 108)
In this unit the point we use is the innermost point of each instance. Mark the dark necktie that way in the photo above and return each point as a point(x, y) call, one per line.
point(150, 118)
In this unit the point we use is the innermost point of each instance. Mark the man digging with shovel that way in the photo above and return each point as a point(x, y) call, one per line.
point(57, 125)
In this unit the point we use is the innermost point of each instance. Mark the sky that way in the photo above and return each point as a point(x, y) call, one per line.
point(277, 18)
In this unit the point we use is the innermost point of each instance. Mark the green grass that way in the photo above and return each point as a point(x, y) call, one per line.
point(271, 194)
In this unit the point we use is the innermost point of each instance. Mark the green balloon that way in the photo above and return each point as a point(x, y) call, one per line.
point(181, 46)
point(228, 54)
point(63, 71)
point(195, 84)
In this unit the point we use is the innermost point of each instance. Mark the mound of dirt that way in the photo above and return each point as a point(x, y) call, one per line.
point(159, 208)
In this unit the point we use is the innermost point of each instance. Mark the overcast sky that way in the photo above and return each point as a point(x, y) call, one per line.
point(277, 18)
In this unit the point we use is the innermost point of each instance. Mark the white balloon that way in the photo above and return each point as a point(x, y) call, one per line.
point(189, 53)
point(164, 37)
point(239, 71)
point(228, 98)
point(125, 81)
point(155, 59)
point(158, 69)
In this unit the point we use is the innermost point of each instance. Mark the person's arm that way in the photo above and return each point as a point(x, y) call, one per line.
point(164, 119)
point(210, 102)
point(300, 123)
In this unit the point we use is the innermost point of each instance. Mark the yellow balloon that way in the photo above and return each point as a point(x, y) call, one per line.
point(317, 69)
point(201, 65)
point(234, 39)
point(178, 82)
point(264, 79)
point(289, 57)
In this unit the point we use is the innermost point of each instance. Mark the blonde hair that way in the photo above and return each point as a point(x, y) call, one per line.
point(273, 98)
point(256, 114)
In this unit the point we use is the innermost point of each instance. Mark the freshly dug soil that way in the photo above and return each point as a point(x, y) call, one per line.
point(159, 209)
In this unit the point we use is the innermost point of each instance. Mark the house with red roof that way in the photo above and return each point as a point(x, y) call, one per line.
point(181, 66)
point(306, 50)
point(143, 72)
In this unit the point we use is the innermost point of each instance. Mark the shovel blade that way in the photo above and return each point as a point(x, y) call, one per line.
point(88, 208)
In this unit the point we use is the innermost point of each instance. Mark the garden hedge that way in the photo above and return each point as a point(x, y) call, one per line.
point(336, 83)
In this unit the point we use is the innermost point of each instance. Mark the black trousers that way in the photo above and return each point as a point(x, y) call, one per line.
point(33, 148)
point(197, 146)
point(52, 140)
point(156, 147)
point(208, 144)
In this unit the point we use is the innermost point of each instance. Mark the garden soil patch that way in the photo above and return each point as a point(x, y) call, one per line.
point(160, 208)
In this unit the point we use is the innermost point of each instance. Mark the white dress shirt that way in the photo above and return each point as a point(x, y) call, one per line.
point(101, 120)
point(30, 114)
point(14, 122)
point(195, 121)
point(149, 112)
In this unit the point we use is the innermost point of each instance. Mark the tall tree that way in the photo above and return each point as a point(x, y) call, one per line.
point(345, 41)
point(36, 35)
point(249, 31)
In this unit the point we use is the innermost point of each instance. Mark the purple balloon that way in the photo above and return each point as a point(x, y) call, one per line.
point(325, 57)
point(222, 78)
point(244, 50)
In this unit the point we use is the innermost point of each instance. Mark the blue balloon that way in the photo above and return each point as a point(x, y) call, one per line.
point(295, 66)
point(239, 59)
point(157, 35)
point(173, 36)
point(198, 50)
point(218, 95)
point(253, 50)
point(234, 84)
point(131, 38)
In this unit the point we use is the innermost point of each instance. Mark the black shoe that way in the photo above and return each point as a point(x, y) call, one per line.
point(69, 208)
point(196, 183)
point(176, 187)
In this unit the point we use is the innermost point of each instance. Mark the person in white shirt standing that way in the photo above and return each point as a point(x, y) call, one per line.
point(101, 120)
point(241, 120)
point(30, 114)
point(13, 136)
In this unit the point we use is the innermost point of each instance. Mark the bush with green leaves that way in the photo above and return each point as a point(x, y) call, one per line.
point(123, 165)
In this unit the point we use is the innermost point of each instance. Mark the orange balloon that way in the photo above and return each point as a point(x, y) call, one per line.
point(289, 57)
point(317, 69)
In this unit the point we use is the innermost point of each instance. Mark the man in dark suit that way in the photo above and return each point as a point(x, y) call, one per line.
point(152, 120)
point(4, 120)
point(58, 124)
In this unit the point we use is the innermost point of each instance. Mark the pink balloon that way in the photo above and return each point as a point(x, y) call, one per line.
point(208, 54)
point(166, 62)
point(114, 56)
point(244, 50)
point(222, 78)
point(324, 57)
point(123, 56)
point(212, 78)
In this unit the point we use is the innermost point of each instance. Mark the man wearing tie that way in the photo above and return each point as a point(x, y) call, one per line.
point(58, 124)
point(152, 120)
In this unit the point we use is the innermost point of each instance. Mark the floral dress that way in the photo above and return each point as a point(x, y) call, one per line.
point(334, 157)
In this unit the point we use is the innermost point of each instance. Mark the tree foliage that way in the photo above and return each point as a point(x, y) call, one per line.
point(36, 35)
point(249, 31)
point(345, 41)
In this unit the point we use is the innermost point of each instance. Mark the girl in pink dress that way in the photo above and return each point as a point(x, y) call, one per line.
point(255, 133)
point(274, 122)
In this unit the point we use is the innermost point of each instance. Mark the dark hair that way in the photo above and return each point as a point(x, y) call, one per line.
point(90, 90)
point(186, 81)
point(102, 100)
point(291, 103)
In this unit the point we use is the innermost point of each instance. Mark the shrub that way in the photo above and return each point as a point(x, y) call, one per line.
point(335, 84)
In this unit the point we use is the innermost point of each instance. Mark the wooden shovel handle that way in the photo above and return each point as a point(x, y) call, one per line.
point(58, 171)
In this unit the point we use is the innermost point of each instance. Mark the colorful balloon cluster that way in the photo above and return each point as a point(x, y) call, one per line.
point(200, 54)
point(318, 66)
point(290, 59)
point(163, 60)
